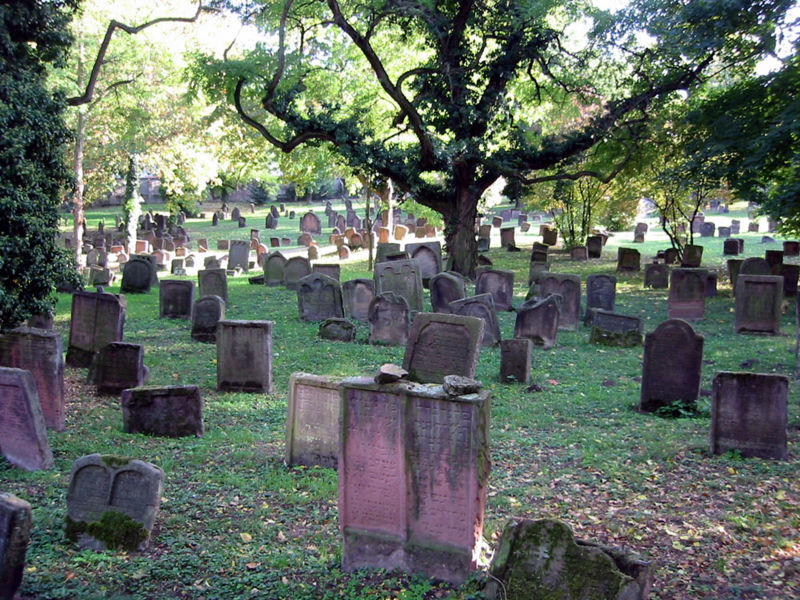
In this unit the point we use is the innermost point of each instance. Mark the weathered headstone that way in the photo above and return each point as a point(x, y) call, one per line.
point(537, 320)
point(429, 257)
point(791, 248)
point(482, 307)
point(446, 287)
point(692, 256)
point(319, 297)
point(213, 282)
point(137, 275)
point(413, 476)
point(515, 360)
point(440, 345)
point(15, 531)
point(497, 282)
point(386, 249)
point(274, 266)
point(244, 356)
point(594, 246)
point(356, 297)
point(23, 437)
point(206, 313)
point(118, 366)
point(773, 257)
point(333, 271)
point(754, 266)
point(310, 223)
point(550, 236)
point(613, 329)
point(749, 414)
point(670, 377)
point(403, 278)
point(567, 286)
point(578, 253)
point(112, 502)
point(171, 411)
point(239, 255)
point(758, 303)
point(628, 259)
point(790, 274)
point(539, 253)
point(656, 276)
point(507, 237)
point(388, 317)
point(707, 229)
point(337, 329)
point(295, 269)
point(601, 292)
point(687, 293)
point(312, 423)
point(175, 298)
point(97, 319)
point(731, 247)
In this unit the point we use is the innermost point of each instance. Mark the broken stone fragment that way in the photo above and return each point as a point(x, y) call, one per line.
point(456, 385)
point(389, 373)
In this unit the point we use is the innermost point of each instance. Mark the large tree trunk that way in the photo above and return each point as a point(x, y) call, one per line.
point(77, 197)
point(460, 240)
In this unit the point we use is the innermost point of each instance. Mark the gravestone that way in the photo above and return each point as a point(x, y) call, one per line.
point(239, 255)
point(400, 232)
point(790, 274)
point(594, 246)
point(749, 414)
point(244, 356)
point(305, 239)
point(735, 226)
point(773, 258)
point(235, 214)
point(671, 256)
point(413, 477)
point(497, 282)
point(656, 276)
point(638, 237)
point(43, 320)
point(711, 284)
point(337, 329)
point(446, 287)
point(333, 271)
point(507, 237)
point(99, 485)
point(310, 223)
point(343, 252)
point(752, 227)
point(213, 282)
point(515, 360)
point(271, 222)
point(312, 423)
point(613, 329)
point(274, 267)
point(758, 304)
point(273, 210)
point(118, 366)
point(731, 247)
point(97, 319)
point(242, 222)
point(388, 318)
point(687, 293)
point(171, 411)
point(692, 256)
point(578, 253)
point(628, 259)
point(754, 266)
point(707, 229)
point(539, 253)
point(497, 222)
point(734, 264)
point(23, 437)
point(319, 297)
point(670, 377)
point(137, 275)
point(567, 286)
point(206, 313)
point(40, 352)
point(223, 244)
point(537, 320)
point(15, 531)
point(601, 292)
point(357, 294)
point(295, 269)
point(724, 232)
point(403, 278)
point(440, 345)
point(791, 248)
point(429, 257)
point(175, 299)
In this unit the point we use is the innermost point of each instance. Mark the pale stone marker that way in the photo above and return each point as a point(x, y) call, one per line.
point(171, 411)
point(319, 297)
point(515, 360)
point(295, 269)
point(388, 317)
point(569, 288)
point(356, 297)
point(213, 282)
point(413, 475)
point(118, 366)
point(15, 531)
point(312, 423)
point(239, 255)
point(175, 298)
point(749, 413)
point(507, 237)
point(445, 288)
point(244, 356)
point(482, 307)
point(537, 320)
point(403, 278)
point(100, 485)
point(687, 293)
point(429, 257)
point(497, 282)
point(206, 313)
point(97, 319)
point(758, 303)
point(440, 345)
point(23, 437)
point(274, 266)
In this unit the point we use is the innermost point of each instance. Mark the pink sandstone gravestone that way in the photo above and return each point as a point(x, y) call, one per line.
point(23, 437)
point(312, 423)
point(244, 356)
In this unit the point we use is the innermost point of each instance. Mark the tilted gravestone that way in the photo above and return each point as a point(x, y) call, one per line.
point(356, 297)
point(539, 253)
point(569, 288)
point(274, 266)
point(206, 313)
point(118, 366)
point(480, 306)
point(295, 269)
point(656, 276)
point(497, 282)
point(137, 275)
point(239, 255)
point(613, 329)
point(550, 236)
point(445, 288)
point(310, 223)
point(388, 317)
point(628, 259)
point(112, 502)
point(413, 476)
point(15, 531)
point(319, 297)
point(601, 292)
point(429, 257)
point(687, 293)
point(507, 237)
point(213, 282)
point(515, 360)
point(537, 320)
point(403, 278)
point(670, 377)
point(171, 411)
point(749, 414)
point(758, 303)
point(40, 352)
point(97, 319)
point(440, 345)
point(244, 356)
point(23, 437)
point(312, 423)
point(175, 299)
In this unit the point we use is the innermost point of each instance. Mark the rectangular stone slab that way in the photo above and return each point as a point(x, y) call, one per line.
point(312, 423)
point(440, 345)
point(23, 437)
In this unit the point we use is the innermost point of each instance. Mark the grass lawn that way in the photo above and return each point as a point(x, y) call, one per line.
point(236, 523)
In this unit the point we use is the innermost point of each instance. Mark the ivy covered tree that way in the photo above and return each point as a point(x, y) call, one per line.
point(444, 97)
point(33, 175)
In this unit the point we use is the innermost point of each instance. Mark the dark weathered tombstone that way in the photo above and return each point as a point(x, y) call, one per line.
point(536, 271)
point(735, 226)
point(271, 222)
point(752, 227)
point(171, 411)
point(357, 294)
point(386, 249)
point(274, 266)
point(445, 288)
point(273, 210)
point(213, 282)
point(412, 478)
point(749, 413)
point(212, 262)
point(711, 284)
point(594, 246)
point(40, 352)
point(758, 303)
point(601, 292)
point(638, 237)
point(118, 366)
point(485, 231)
point(239, 255)
point(613, 329)
point(671, 377)
point(319, 297)
point(497, 222)
point(692, 256)
point(137, 275)
point(687, 293)
point(730, 247)
point(550, 236)
point(242, 222)
point(497, 282)
point(578, 253)
point(537, 320)
point(440, 345)
point(656, 276)
point(515, 360)
point(43, 320)
point(539, 253)
point(388, 318)
point(402, 277)
point(569, 288)
point(791, 248)
point(773, 258)
point(22, 427)
point(223, 244)
point(295, 269)
point(337, 329)
point(754, 266)
point(15, 530)
point(429, 257)
point(235, 214)
point(790, 275)
point(724, 232)
point(175, 298)
point(312, 423)
point(104, 489)
point(671, 256)
point(507, 237)
point(628, 259)
point(97, 319)
point(313, 252)
point(542, 559)
point(244, 356)
point(310, 223)
point(734, 264)
point(206, 313)
point(707, 229)
point(481, 307)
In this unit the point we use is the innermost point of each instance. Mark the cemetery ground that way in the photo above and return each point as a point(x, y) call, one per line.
point(235, 522)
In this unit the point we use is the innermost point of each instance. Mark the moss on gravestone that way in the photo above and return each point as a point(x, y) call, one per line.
point(115, 530)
